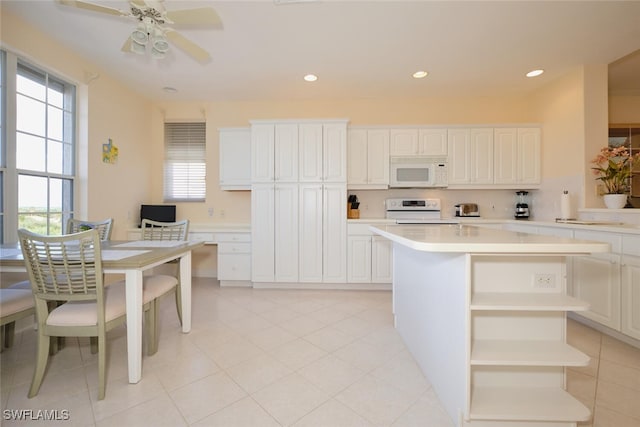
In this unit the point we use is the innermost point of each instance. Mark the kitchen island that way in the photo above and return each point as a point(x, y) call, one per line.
point(483, 312)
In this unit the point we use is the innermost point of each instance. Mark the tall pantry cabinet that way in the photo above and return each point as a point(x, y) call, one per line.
point(299, 175)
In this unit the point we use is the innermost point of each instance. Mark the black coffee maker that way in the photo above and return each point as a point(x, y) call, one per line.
point(522, 205)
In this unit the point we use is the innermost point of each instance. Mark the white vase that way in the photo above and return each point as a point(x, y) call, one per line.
point(615, 201)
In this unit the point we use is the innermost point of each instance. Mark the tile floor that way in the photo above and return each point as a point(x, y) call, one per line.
point(281, 358)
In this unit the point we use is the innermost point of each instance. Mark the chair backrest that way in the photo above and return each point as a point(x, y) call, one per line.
point(64, 268)
point(156, 230)
point(104, 227)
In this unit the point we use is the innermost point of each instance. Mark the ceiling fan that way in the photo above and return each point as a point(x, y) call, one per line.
point(152, 30)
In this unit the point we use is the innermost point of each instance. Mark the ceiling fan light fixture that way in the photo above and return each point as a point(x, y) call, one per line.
point(140, 35)
point(160, 44)
point(137, 48)
point(157, 54)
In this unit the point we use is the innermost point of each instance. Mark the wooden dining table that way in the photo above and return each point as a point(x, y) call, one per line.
point(131, 258)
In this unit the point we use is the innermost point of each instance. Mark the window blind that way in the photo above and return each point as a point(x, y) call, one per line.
point(184, 165)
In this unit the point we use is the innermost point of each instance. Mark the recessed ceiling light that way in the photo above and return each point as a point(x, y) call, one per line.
point(420, 74)
point(310, 78)
point(169, 89)
point(534, 73)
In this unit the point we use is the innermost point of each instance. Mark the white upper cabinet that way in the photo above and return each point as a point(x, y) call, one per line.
point(470, 156)
point(368, 158)
point(286, 153)
point(322, 152)
point(432, 142)
point(418, 142)
point(404, 142)
point(262, 152)
point(517, 155)
point(235, 158)
point(334, 152)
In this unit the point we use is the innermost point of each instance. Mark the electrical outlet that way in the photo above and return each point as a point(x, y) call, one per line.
point(222, 213)
point(210, 211)
point(544, 280)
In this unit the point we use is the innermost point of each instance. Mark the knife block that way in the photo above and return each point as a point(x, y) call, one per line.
point(353, 213)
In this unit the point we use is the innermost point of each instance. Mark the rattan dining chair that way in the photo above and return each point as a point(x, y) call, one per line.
point(157, 230)
point(104, 227)
point(67, 270)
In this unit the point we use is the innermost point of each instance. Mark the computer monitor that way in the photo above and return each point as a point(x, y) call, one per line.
point(162, 213)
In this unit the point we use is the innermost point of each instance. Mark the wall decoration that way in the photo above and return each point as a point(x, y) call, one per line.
point(109, 153)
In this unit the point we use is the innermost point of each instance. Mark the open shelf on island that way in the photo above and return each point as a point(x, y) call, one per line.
point(526, 302)
point(526, 353)
point(526, 404)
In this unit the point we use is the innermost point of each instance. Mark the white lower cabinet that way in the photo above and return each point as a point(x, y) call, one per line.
point(323, 233)
point(596, 279)
point(370, 258)
point(234, 258)
point(630, 297)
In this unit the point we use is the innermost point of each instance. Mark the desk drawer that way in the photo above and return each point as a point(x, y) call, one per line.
point(201, 237)
point(222, 237)
point(234, 248)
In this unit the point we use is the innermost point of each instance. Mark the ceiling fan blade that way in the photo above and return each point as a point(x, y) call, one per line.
point(126, 47)
point(93, 7)
point(203, 16)
point(198, 53)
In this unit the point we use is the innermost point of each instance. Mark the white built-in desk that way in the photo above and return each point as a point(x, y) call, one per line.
point(234, 249)
point(483, 311)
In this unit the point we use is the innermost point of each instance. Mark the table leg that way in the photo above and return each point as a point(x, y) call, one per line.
point(185, 289)
point(134, 324)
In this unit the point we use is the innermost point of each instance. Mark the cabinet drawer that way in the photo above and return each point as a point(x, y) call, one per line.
point(234, 267)
point(615, 240)
point(234, 248)
point(201, 237)
point(233, 237)
point(631, 245)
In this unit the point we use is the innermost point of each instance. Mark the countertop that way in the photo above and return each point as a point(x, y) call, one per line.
point(609, 226)
point(468, 239)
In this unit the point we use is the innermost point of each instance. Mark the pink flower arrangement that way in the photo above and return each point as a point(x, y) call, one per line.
point(613, 167)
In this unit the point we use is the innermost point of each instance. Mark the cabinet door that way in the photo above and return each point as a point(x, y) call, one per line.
point(378, 156)
point(286, 153)
point(235, 159)
point(334, 250)
point(459, 146)
point(404, 142)
point(381, 260)
point(359, 259)
point(262, 232)
point(481, 156)
point(334, 153)
point(310, 234)
point(310, 144)
point(596, 279)
point(432, 142)
point(286, 232)
point(529, 155)
point(262, 153)
point(505, 149)
point(630, 310)
point(357, 157)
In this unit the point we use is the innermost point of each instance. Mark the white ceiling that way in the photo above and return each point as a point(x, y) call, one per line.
point(360, 49)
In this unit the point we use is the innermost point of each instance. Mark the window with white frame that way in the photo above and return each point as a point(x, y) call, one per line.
point(184, 164)
point(39, 146)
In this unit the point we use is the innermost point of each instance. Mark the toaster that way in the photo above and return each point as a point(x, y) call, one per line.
point(467, 209)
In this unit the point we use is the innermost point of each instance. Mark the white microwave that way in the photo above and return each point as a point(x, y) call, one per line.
point(418, 171)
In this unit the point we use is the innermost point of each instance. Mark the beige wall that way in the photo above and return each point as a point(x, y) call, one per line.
point(107, 109)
